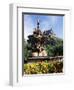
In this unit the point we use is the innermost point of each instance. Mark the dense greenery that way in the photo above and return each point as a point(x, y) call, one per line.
point(56, 49)
point(43, 67)
point(53, 48)
point(42, 44)
point(27, 51)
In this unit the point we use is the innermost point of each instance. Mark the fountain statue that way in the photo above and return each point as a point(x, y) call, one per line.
point(37, 42)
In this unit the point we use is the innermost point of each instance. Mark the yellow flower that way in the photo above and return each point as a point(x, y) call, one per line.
point(32, 65)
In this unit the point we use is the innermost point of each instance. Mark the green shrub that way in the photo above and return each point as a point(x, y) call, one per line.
point(43, 67)
point(59, 67)
point(51, 68)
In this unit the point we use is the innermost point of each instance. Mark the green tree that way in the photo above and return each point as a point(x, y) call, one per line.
point(49, 50)
point(27, 50)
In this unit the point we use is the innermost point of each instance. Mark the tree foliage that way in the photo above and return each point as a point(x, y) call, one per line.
point(52, 44)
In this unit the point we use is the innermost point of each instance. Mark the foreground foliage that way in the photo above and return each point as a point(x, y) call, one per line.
point(43, 67)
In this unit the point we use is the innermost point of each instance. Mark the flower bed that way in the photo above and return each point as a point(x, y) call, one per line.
point(43, 67)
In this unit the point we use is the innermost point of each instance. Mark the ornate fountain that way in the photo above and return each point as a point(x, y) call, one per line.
point(37, 41)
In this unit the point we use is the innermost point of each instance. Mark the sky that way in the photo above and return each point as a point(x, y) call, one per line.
point(46, 23)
